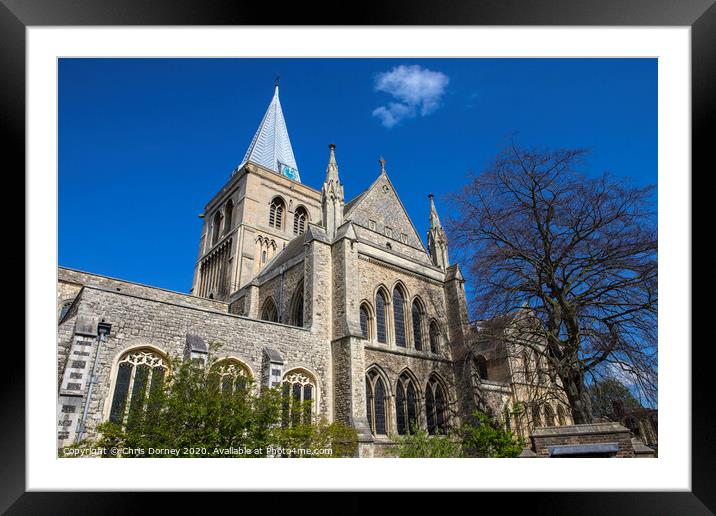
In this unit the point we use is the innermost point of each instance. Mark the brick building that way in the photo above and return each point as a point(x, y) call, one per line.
point(339, 300)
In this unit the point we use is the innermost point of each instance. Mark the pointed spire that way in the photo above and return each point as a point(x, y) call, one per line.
point(332, 168)
point(434, 218)
point(437, 240)
point(332, 199)
point(271, 146)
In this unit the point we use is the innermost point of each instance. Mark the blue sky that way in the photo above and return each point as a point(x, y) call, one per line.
point(145, 143)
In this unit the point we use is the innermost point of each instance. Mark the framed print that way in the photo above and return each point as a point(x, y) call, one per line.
point(410, 256)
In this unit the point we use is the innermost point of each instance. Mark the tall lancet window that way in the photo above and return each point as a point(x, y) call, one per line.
point(229, 216)
point(300, 217)
point(276, 211)
point(217, 228)
point(366, 321)
point(406, 405)
point(399, 317)
point(435, 407)
point(434, 338)
point(376, 403)
point(380, 303)
point(417, 326)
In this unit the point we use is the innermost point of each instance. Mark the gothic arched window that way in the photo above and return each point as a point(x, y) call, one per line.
point(297, 307)
point(216, 228)
point(299, 397)
point(276, 211)
point(417, 325)
point(406, 405)
point(376, 403)
point(481, 367)
point(435, 407)
point(434, 338)
point(229, 376)
point(548, 416)
point(540, 366)
point(269, 312)
point(526, 366)
point(536, 418)
point(399, 317)
point(380, 317)
point(506, 417)
point(366, 326)
point(229, 210)
point(300, 217)
point(140, 378)
point(561, 416)
point(64, 309)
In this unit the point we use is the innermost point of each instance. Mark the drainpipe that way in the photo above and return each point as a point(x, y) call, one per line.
point(102, 333)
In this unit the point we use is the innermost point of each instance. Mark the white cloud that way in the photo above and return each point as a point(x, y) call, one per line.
point(416, 90)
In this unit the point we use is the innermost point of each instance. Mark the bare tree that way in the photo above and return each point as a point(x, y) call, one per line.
point(571, 260)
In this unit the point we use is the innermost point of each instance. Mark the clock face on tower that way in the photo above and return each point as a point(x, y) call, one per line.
point(289, 172)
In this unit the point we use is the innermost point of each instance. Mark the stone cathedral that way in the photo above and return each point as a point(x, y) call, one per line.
point(338, 299)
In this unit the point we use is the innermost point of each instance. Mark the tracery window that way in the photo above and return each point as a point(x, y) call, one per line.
point(417, 326)
point(300, 216)
point(434, 338)
point(399, 317)
point(140, 377)
point(276, 211)
point(435, 407)
point(269, 312)
point(299, 398)
point(380, 317)
point(406, 405)
point(376, 403)
point(229, 376)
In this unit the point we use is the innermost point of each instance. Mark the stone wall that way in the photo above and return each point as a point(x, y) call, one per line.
point(163, 325)
point(70, 282)
point(282, 288)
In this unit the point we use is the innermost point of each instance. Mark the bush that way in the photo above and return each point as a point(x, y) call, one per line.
point(193, 416)
point(485, 438)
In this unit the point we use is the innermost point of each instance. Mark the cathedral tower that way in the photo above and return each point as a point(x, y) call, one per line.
point(256, 213)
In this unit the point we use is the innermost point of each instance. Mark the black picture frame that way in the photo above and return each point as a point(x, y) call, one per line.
point(700, 15)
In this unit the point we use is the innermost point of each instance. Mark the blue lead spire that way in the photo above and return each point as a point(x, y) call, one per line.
point(271, 146)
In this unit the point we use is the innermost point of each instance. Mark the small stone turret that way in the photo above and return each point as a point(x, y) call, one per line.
point(332, 200)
